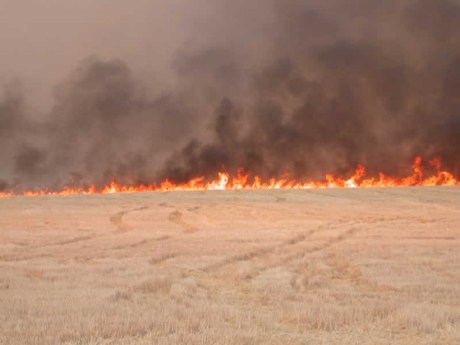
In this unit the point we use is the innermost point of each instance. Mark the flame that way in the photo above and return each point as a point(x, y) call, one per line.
point(243, 180)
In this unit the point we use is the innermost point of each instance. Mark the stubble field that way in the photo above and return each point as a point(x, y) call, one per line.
point(365, 266)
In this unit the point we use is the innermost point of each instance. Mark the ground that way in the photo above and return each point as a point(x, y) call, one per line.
point(365, 266)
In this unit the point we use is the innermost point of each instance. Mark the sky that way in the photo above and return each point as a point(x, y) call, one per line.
point(44, 40)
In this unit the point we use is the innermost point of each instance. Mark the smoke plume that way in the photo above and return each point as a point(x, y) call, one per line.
point(304, 87)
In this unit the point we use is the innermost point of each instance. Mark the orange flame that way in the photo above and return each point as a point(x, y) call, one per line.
point(243, 180)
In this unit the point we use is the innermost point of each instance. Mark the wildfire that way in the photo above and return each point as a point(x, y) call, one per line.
point(243, 180)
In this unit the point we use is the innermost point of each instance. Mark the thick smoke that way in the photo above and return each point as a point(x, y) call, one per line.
point(274, 87)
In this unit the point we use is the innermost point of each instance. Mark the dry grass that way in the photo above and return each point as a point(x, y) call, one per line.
point(272, 267)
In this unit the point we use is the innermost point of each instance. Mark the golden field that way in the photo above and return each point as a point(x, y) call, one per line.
point(339, 266)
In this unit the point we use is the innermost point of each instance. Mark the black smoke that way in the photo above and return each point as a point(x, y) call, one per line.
point(321, 87)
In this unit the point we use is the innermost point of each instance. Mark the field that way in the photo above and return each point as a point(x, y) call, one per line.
point(364, 266)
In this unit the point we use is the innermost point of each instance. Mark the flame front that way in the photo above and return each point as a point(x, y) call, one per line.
point(243, 180)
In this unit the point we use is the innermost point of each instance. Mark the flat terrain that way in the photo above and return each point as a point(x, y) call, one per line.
point(367, 266)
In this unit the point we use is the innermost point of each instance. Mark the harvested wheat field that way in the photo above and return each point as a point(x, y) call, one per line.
point(355, 266)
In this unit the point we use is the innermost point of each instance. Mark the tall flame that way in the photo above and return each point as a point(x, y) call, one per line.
point(243, 180)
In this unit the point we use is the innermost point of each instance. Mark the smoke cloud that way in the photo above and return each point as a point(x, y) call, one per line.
point(304, 87)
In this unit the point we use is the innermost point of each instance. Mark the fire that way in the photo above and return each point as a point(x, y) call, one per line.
point(243, 180)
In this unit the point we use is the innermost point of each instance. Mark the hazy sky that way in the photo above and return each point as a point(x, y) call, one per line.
point(42, 41)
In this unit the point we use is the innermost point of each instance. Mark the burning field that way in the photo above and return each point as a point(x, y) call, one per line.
point(243, 181)
point(296, 94)
point(332, 266)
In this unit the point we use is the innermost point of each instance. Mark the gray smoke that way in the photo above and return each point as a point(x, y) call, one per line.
point(305, 87)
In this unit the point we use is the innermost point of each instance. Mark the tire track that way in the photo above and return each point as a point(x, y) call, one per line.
point(160, 259)
point(304, 252)
point(117, 218)
point(291, 246)
point(265, 251)
point(176, 218)
point(141, 243)
point(34, 252)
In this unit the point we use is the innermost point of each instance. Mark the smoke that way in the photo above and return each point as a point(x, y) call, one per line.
point(274, 87)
